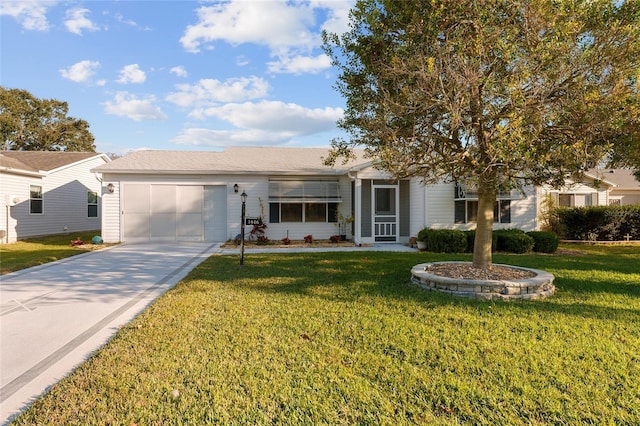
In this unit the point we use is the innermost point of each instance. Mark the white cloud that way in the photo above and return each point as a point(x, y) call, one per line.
point(337, 14)
point(274, 24)
point(262, 123)
point(223, 138)
point(76, 21)
point(278, 117)
point(180, 71)
point(132, 74)
point(81, 71)
point(300, 64)
point(210, 91)
point(289, 29)
point(127, 105)
point(31, 14)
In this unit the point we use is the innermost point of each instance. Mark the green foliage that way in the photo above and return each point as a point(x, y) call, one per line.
point(422, 234)
point(443, 240)
point(544, 241)
point(341, 338)
point(31, 124)
point(513, 241)
point(600, 223)
point(497, 94)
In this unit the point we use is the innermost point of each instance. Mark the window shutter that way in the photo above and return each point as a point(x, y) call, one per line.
point(274, 212)
point(460, 211)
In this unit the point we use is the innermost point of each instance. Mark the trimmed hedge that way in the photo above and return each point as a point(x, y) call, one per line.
point(444, 240)
point(599, 223)
point(544, 242)
point(454, 241)
point(513, 241)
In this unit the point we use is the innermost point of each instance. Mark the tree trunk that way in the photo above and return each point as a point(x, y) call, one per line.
point(484, 230)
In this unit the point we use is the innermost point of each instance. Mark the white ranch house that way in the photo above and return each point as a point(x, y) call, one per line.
point(181, 195)
point(46, 193)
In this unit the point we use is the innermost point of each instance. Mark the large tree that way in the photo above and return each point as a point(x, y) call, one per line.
point(31, 124)
point(494, 94)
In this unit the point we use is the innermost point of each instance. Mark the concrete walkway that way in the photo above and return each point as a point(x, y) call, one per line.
point(52, 317)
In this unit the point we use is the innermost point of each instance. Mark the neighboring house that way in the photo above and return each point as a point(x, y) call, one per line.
point(625, 189)
point(599, 187)
point(45, 193)
point(179, 195)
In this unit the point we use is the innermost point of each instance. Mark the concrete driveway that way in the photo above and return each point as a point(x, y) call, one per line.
point(52, 317)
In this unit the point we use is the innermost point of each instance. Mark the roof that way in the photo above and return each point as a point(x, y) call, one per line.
point(621, 178)
point(40, 161)
point(233, 160)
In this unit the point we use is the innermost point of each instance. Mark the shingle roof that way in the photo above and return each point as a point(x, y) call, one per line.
point(622, 178)
point(233, 160)
point(34, 161)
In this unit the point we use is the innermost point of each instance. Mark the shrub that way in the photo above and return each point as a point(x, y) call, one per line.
point(422, 234)
point(513, 241)
point(600, 223)
point(444, 240)
point(335, 238)
point(286, 241)
point(308, 239)
point(544, 242)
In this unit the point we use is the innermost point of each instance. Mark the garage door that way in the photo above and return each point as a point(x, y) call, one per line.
point(174, 212)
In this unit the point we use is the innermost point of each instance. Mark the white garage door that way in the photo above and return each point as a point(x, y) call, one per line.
point(174, 212)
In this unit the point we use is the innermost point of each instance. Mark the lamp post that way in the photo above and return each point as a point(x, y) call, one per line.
point(243, 197)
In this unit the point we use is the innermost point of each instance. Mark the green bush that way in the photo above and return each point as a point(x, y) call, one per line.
point(443, 240)
point(544, 242)
point(600, 223)
point(513, 241)
point(422, 234)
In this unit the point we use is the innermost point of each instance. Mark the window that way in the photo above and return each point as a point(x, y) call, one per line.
point(466, 211)
point(92, 204)
point(35, 199)
point(466, 206)
point(292, 200)
point(575, 200)
point(303, 212)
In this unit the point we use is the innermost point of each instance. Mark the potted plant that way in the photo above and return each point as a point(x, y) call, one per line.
point(342, 222)
point(422, 239)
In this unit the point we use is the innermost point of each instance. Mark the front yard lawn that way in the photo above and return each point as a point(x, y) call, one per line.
point(37, 251)
point(344, 338)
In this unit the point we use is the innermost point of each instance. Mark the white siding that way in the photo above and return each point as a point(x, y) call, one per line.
point(257, 189)
point(16, 186)
point(626, 197)
point(111, 209)
point(64, 201)
point(439, 210)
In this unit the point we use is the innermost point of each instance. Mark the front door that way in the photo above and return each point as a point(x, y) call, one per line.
point(385, 213)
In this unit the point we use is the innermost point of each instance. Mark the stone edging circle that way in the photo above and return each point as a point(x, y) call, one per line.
point(537, 287)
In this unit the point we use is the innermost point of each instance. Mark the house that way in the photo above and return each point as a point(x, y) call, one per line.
point(598, 187)
point(180, 195)
point(47, 193)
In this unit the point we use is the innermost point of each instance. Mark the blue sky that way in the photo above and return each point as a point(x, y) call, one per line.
point(180, 75)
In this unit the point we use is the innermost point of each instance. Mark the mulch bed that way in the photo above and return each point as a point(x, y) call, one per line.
point(467, 271)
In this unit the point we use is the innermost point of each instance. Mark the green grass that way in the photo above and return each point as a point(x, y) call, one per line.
point(37, 251)
point(343, 338)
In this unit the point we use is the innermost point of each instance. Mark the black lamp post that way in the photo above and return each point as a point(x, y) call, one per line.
point(243, 197)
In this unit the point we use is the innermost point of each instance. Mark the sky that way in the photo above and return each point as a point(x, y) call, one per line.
point(180, 75)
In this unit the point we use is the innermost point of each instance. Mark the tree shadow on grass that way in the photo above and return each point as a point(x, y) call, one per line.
point(367, 276)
